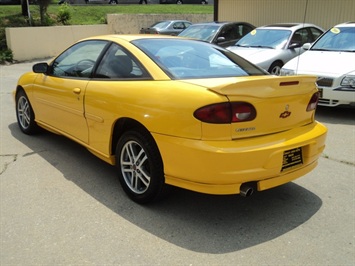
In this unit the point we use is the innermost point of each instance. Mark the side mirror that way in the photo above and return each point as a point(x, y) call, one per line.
point(295, 45)
point(40, 68)
point(221, 39)
point(306, 46)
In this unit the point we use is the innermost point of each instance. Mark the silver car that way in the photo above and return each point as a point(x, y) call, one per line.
point(167, 27)
point(271, 46)
point(180, 2)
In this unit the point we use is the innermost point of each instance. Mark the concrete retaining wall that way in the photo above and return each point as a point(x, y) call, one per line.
point(30, 43)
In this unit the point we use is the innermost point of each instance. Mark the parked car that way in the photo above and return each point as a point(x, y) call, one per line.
point(111, 2)
point(171, 111)
point(221, 33)
point(167, 27)
point(271, 46)
point(332, 59)
point(180, 2)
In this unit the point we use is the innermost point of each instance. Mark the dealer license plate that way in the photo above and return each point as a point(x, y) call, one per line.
point(292, 158)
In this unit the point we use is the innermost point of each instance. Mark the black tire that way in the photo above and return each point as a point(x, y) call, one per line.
point(140, 167)
point(25, 115)
point(275, 68)
point(179, 2)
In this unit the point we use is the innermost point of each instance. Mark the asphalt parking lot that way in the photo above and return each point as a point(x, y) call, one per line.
point(59, 204)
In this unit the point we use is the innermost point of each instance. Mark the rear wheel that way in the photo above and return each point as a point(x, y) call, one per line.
point(24, 113)
point(140, 167)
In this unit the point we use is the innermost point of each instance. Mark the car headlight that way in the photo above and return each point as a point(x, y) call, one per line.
point(287, 72)
point(348, 81)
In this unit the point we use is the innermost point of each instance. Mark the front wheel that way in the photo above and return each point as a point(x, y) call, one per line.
point(140, 167)
point(24, 113)
point(275, 68)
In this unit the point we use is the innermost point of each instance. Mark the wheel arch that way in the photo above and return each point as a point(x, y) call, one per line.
point(19, 88)
point(122, 125)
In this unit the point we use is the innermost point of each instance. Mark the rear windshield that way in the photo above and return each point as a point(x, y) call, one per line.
point(184, 59)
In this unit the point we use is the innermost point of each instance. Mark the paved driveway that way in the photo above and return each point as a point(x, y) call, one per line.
point(61, 205)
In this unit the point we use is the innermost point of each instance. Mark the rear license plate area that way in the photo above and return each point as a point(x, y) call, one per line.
point(292, 159)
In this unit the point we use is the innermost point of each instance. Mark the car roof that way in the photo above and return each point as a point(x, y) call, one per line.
point(129, 37)
point(219, 23)
point(346, 24)
point(291, 26)
point(173, 20)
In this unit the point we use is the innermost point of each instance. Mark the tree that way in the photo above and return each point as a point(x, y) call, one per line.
point(24, 8)
point(43, 5)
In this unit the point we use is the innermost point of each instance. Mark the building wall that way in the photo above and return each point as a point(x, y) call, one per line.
point(324, 13)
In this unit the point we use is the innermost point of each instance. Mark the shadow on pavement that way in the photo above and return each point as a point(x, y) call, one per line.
point(193, 221)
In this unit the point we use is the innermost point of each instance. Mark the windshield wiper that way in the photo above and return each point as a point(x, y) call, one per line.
point(254, 46)
point(321, 49)
point(261, 46)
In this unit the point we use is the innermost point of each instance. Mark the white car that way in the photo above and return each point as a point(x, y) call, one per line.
point(271, 46)
point(332, 59)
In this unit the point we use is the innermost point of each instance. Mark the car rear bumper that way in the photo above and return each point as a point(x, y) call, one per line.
point(221, 167)
point(336, 96)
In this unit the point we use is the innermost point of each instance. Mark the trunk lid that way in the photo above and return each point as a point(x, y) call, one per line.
point(280, 102)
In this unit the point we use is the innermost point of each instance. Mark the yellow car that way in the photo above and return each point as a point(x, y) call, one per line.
point(172, 111)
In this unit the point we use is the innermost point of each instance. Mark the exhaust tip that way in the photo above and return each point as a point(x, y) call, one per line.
point(246, 190)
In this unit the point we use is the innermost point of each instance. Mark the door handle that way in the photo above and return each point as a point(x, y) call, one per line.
point(77, 90)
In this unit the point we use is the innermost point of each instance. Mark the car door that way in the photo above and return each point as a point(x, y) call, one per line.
point(298, 38)
point(110, 93)
point(60, 94)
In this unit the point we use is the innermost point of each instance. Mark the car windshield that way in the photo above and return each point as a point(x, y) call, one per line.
point(186, 59)
point(201, 32)
point(265, 38)
point(337, 39)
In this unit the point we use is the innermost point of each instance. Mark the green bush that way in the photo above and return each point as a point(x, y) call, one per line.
point(64, 14)
point(6, 56)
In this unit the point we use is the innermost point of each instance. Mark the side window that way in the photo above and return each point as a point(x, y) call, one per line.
point(300, 37)
point(118, 64)
point(178, 25)
point(315, 33)
point(78, 60)
point(244, 30)
point(229, 32)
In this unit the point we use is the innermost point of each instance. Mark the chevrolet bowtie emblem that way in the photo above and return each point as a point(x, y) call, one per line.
point(286, 113)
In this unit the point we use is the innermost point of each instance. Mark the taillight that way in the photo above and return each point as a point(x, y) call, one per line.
point(226, 113)
point(312, 105)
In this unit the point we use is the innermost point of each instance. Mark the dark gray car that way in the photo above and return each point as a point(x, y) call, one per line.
point(221, 33)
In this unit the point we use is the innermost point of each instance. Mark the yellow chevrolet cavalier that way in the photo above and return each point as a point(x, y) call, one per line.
point(170, 111)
